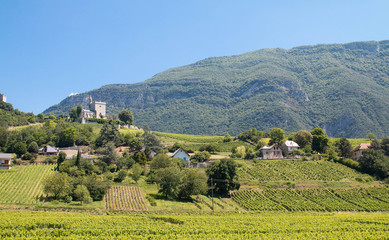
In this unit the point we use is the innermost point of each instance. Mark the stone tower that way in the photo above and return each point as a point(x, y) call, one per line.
point(98, 108)
point(3, 98)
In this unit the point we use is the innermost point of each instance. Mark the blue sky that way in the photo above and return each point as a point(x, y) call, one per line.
point(52, 48)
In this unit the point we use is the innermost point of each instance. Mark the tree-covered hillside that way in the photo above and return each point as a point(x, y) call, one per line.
point(342, 88)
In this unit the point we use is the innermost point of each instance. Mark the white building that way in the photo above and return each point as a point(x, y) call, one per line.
point(181, 153)
point(289, 147)
point(5, 161)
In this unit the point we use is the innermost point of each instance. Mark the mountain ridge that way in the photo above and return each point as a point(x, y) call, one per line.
point(342, 88)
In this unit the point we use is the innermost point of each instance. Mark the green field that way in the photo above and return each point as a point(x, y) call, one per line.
point(319, 200)
point(194, 142)
point(50, 225)
point(258, 172)
point(22, 184)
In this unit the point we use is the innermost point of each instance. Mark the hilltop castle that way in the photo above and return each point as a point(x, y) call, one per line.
point(3, 98)
point(96, 109)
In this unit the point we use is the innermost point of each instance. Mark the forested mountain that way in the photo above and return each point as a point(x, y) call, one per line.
point(342, 88)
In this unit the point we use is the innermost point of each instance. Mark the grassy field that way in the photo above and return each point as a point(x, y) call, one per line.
point(194, 142)
point(22, 184)
point(319, 200)
point(313, 172)
point(50, 225)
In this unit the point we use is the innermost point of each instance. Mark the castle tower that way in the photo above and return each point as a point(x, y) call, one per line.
point(3, 98)
point(99, 108)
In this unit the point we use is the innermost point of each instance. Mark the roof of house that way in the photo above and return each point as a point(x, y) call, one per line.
point(268, 147)
point(291, 144)
point(362, 146)
point(5, 155)
point(50, 149)
point(178, 151)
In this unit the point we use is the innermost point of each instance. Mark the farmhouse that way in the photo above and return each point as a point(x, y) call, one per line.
point(181, 153)
point(271, 152)
point(289, 146)
point(5, 161)
point(357, 152)
point(48, 150)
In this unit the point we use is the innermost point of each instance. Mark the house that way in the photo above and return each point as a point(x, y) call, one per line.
point(48, 150)
point(5, 161)
point(357, 152)
point(289, 147)
point(181, 153)
point(271, 152)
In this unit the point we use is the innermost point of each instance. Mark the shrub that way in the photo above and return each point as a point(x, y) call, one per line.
point(68, 199)
point(151, 200)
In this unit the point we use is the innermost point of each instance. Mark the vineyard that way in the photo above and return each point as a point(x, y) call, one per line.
point(296, 170)
point(124, 198)
point(22, 184)
point(302, 225)
point(319, 199)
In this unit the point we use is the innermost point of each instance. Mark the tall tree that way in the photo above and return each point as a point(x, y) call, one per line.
point(344, 147)
point(277, 136)
point(303, 138)
point(82, 194)
point(126, 116)
point(319, 140)
point(222, 175)
point(169, 180)
point(58, 184)
point(108, 133)
point(151, 140)
point(194, 182)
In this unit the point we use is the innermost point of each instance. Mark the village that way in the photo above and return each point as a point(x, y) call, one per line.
point(287, 149)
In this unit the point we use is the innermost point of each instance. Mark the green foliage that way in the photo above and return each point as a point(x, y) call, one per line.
point(211, 148)
point(303, 138)
point(319, 140)
point(169, 180)
point(140, 157)
point(277, 136)
point(222, 176)
point(33, 147)
point(23, 184)
point(126, 116)
point(136, 172)
point(230, 225)
point(20, 148)
point(13, 117)
point(227, 138)
point(194, 182)
point(374, 162)
point(250, 173)
point(365, 199)
point(200, 157)
point(97, 186)
point(109, 154)
point(160, 161)
point(58, 184)
point(81, 193)
point(252, 135)
point(122, 174)
point(61, 158)
point(108, 133)
point(344, 147)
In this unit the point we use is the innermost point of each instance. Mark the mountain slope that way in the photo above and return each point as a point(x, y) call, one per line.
point(343, 88)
